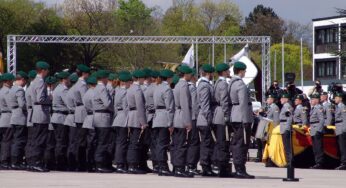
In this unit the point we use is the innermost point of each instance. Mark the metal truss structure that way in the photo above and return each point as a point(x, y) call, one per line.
point(13, 40)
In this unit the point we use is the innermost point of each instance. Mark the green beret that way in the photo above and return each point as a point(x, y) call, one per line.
point(166, 73)
point(138, 74)
point(185, 69)
point(50, 80)
point(271, 96)
point(221, 67)
point(42, 65)
point(91, 80)
point(324, 93)
point(94, 74)
point(0, 78)
point(155, 74)
point(315, 96)
point(339, 95)
point(32, 74)
point(112, 76)
point(102, 74)
point(239, 65)
point(22, 74)
point(63, 75)
point(124, 72)
point(147, 72)
point(208, 68)
point(300, 97)
point(175, 79)
point(83, 68)
point(8, 77)
point(125, 77)
point(285, 95)
point(73, 78)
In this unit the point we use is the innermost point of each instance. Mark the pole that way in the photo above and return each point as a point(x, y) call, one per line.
point(213, 52)
point(225, 53)
point(275, 65)
point(197, 66)
point(283, 62)
point(290, 169)
point(301, 64)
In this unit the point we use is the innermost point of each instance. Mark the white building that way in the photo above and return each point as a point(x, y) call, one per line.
point(329, 38)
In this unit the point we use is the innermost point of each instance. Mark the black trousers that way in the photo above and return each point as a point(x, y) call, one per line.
point(260, 148)
point(179, 147)
point(121, 143)
point(163, 140)
point(222, 152)
point(103, 140)
point(6, 142)
point(342, 147)
point(49, 153)
point(153, 147)
point(61, 138)
point(146, 139)
point(20, 133)
point(207, 146)
point(240, 143)
point(90, 146)
point(286, 139)
point(193, 149)
point(135, 147)
point(39, 139)
point(28, 147)
point(76, 154)
point(317, 146)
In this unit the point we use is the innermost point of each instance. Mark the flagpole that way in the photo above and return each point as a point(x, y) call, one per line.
point(301, 64)
point(275, 65)
point(213, 53)
point(224, 53)
point(283, 62)
point(197, 67)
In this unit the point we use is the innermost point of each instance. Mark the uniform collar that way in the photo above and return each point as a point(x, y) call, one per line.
point(165, 82)
point(222, 78)
point(100, 83)
point(136, 82)
point(205, 79)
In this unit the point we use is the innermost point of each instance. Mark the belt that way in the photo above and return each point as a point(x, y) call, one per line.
point(133, 108)
point(37, 103)
point(178, 107)
point(236, 104)
point(151, 111)
point(283, 120)
point(61, 112)
point(90, 113)
point(120, 109)
point(314, 122)
point(160, 107)
point(215, 104)
point(297, 122)
point(338, 122)
point(103, 111)
point(4, 112)
point(71, 112)
point(14, 107)
point(79, 104)
point(29, 107)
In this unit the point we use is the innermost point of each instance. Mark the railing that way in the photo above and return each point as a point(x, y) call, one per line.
point(327, 48)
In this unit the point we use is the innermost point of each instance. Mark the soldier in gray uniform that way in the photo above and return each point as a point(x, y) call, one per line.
point(193, 151)
point(241, 119)
point(182, 122)
point(103, 109)
point(137, 123)
point(163, 120)
point(300, 112)
point(221, 120)
point(316, 130)
point(5, 125)
point(205, 101)
point(121, 130)
point(60, 111)
point(29, 105)
point(340, 124)
point(88, 130)
point(286, 120)
point(328, 110)
point(16, 102)
point(111, 84)
point(40, 116)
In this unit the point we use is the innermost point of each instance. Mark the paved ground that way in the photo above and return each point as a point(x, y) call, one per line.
point(266, 178)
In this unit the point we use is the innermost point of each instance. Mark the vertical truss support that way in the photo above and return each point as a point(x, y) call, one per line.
point(11, 54)
point(266, 68)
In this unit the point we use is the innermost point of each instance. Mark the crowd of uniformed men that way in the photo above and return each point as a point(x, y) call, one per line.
point(107, 122)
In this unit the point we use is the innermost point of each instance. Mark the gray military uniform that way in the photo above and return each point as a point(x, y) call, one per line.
point(300, 115)
point(16, 102)
point(102, 106)
point(316, 120)
point(120, 107)
point(273, 113)
point(5, 110)
point(222, 111)
point(29, 105)
point(340, 119)
point(286, 118)
point(59, 106)
point(183, 110)
point(205, 96)
point(87, 101)
point(136, 104)
point(164, 104)
point(149, 101)
point(71, 105)
point(41, 101)
point(80, 88)
point(328, 113)
point(194, 103)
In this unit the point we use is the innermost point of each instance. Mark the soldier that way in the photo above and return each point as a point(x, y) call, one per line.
point(28, 148)
point(300, 113)
point(193, 151)
point(40, 116)
point(182, 122)
point(102, 107)
point(241, 119)
point(286, 125)
point(88, 130)
point(137, 123)
point(328, 110)
point(163, 120)
point(5, 122)
point(60, 111)
point(111, 84)
point(205, 99)
point(340, 115)
point(16, 102)
point(221, 120)
point(121, 130)
point(316, 130)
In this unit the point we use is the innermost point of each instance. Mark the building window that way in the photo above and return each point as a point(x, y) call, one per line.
point(326, 69)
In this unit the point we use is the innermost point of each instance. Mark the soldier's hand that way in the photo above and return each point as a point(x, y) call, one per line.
point(171, 129)
point(188, 128)
point(144, 126)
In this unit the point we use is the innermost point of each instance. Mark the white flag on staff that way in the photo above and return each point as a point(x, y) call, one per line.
point(189, 58)
point(240, 54)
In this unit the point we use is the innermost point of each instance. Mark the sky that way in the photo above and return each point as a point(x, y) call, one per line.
point(302, 11)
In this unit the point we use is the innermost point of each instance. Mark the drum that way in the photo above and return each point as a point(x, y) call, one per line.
point(262, 129)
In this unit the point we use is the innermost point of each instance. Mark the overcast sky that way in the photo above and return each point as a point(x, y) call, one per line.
point(296, 10)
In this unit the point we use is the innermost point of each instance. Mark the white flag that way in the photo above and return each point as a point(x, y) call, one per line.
point(189, 58)
point(240, 54)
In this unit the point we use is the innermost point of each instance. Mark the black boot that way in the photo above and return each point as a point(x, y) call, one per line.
point(180, 172)
point(134, 169)
point(164, 170)
point(121, 168)
point(207, 171)
point(192, 169)
point(225, 170)
point(341, 167)
point(241, 173)
point(39, 167)
point(5, 166)
point(144, 167)
point(101, 168)
point(317, 166)
point(156, 167)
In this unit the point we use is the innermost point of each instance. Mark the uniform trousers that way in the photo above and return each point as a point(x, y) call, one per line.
point(287, 140)
point(49, 153)
point(240, 144)
point(162, 144)
point(146, 139)
point(39, 139)
point(76, 148)
point(193, 150)
point(103, 157)
point(61, 138)
point(317, 146)
point(6, 142)
point(90, 145)
point(206, 146)
point(179, 147)
point(342, 147)
point(222, 152)
point(20, 133)
point(28, 147)
point(121, 144)
point(135, 147)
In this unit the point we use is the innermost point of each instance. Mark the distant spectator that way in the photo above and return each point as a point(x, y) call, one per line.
point(316, 89)
point(274, 89)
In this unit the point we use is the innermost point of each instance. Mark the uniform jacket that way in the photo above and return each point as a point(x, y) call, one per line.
point(205, 96)
point(222, 109)
point(340, 119)
point(87, 101)
point(183, 108)
point(41, 101)
point(136, 104)
point(316, 119)
point(164, 104)
point(59, 106)
point(300, 115)
point(80, 88)
point(286, 118)
point(194, 104)
point(16, 102)
point(102, 106)
point(120, 107)
point(149, 101)
point(5, 110)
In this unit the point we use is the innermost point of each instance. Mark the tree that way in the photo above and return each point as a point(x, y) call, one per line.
point(295, 31)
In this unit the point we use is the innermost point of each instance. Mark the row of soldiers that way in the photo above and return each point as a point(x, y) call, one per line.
point(87, 121)
point(321, 114)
